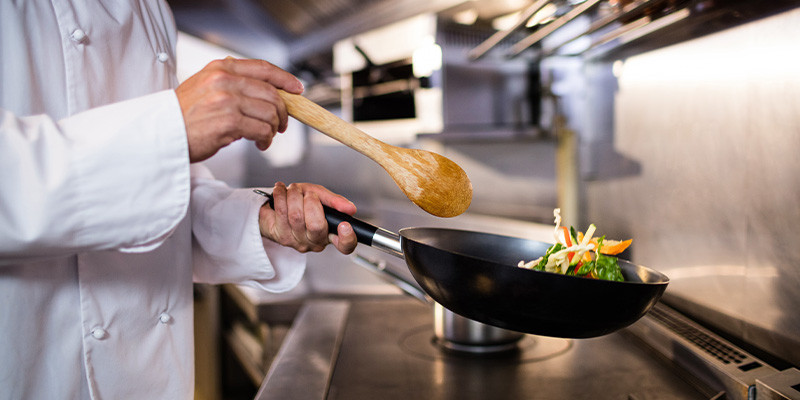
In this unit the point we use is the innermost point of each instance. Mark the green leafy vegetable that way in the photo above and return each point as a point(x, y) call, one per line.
point(543, 261)
point(579, 254)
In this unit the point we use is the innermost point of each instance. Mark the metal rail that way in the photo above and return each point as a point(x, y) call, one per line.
point(543, 32)
point(483, 48)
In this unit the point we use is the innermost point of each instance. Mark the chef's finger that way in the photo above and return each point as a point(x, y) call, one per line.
point(332, 200)
point(267, 72)
point(345, 240)
point(296, 214)
point(263, 144)
point(261, 100)
point(316, 225)
point(255, 114)
point(281, 229)
point(258, 131)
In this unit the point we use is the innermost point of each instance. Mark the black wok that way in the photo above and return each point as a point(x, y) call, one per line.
point(475, 275)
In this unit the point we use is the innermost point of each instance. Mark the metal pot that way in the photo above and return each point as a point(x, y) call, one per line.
point(455, 332)
point(452, 332)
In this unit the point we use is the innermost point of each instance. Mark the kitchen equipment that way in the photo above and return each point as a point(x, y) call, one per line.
point(452, 332)
point(433, 182)
point(475, 275)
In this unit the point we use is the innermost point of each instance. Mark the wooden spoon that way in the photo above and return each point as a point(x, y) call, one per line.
point(433, 182)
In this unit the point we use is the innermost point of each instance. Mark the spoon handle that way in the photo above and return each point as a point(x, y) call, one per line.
point(313, 115)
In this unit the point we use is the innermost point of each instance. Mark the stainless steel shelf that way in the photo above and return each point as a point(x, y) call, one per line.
point(493, 135)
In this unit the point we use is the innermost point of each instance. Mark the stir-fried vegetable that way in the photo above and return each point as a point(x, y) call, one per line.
point(580, 254)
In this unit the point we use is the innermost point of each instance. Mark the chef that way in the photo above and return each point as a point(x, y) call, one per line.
point(105, 221)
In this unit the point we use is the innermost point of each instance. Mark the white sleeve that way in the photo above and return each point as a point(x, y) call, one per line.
point(227, 242)
point(113, 177)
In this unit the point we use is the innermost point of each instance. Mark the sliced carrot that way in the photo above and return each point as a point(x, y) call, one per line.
point(566, 236)
point(612, 247)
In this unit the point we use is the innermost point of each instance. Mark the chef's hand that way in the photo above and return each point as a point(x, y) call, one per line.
point(298, 220)
point(232, 99)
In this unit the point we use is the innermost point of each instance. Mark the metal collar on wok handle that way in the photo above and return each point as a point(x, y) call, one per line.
point(388, 242)
point(366, 233)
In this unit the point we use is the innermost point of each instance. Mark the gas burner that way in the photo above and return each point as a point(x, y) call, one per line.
point(421, 342)
point(448, 345)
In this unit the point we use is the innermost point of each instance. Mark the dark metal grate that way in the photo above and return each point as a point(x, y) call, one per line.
point(720, 350)
point(456, 35)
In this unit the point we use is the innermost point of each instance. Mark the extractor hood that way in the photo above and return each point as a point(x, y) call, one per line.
point(310, 27)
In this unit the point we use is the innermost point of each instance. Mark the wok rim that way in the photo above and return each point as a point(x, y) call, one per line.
point(663, 279)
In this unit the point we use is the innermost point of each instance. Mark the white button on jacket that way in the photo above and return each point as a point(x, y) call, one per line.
point(164, 318)
point(98, 333)
point(99, 208)
point(78, 35)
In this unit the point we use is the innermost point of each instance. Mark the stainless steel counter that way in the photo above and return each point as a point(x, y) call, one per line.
point(382, 348)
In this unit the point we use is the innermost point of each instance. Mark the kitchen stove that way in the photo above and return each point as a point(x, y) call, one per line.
point(402, 361)
point(384, 347)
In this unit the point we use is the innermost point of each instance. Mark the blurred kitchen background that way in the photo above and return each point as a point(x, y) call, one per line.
point(672, 122)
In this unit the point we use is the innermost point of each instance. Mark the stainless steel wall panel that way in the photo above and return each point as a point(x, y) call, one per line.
point(714, 125)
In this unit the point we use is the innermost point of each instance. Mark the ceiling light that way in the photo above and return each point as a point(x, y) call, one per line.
point(506, 21)
point(546, 14)
point(466, 17)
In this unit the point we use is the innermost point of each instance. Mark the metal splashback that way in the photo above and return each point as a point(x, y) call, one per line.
point(698, 162)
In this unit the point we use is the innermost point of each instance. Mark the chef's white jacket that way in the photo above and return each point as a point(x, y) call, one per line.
point(104, 225)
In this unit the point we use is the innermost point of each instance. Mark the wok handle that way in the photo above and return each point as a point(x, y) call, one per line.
point(366, 233)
